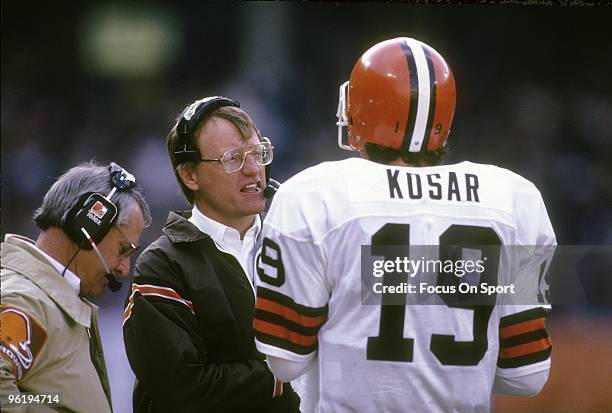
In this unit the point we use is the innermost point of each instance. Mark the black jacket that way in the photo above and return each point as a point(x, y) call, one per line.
point(188, 330)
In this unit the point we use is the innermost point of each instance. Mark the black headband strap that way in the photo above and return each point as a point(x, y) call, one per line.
point(191, 117)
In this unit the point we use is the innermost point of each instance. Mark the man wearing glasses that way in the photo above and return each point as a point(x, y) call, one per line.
point(50, 350)
point(188, 320)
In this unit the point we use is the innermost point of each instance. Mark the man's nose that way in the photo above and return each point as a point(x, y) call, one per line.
point(123, 269)
point(250, 167)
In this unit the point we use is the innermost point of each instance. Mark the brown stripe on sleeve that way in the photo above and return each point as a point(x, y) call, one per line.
point(281, 322)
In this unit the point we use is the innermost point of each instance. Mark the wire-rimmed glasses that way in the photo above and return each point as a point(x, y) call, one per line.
point(233, 159)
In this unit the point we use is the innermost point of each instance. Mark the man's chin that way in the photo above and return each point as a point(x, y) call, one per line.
point(96, 292)
point(253, 208)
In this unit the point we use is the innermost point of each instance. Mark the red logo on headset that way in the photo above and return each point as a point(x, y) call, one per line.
point(98, 209)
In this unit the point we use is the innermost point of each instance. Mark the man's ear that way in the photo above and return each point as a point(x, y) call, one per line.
point(187, 175)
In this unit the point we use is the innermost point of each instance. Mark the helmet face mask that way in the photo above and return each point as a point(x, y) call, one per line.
point(401, 95)
point(342, 116)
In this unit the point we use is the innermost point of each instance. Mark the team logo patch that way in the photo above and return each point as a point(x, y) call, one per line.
point(21, 339)
point(98, 209)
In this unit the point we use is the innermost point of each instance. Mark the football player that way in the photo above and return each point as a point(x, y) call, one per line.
point(401, 351)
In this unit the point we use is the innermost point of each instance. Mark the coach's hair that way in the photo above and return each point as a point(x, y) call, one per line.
point(236, 116)
point(83, 178)
point(384, 155)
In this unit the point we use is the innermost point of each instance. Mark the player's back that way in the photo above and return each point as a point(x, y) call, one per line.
point(394, 358)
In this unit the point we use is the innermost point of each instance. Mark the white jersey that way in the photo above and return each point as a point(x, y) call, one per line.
point(395, 358)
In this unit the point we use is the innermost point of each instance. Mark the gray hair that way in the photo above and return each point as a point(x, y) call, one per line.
point(83, 178)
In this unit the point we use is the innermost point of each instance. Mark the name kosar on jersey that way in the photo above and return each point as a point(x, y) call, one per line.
point(434, 358)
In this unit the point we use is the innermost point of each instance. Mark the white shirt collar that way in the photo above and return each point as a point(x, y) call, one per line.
point(69, 276)
point(228, 239)
point(223, 235)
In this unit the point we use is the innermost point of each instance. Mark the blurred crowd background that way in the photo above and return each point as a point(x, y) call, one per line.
point(106, 80)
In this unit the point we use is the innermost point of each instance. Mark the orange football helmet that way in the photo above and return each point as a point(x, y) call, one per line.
point(401, 94)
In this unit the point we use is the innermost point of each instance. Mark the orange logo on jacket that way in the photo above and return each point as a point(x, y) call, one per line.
point(21, 339)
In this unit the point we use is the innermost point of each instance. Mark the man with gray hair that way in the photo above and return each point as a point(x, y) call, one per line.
point(51, 354)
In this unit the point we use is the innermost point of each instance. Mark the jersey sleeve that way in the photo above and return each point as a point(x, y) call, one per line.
point(526, 386)
point(292, 288)
point(525, 346)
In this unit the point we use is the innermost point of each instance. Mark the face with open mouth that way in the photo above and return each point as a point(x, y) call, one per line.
point(230, 198)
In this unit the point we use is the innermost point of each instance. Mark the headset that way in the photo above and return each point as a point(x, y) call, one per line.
point(190, 118)
point(93, 215)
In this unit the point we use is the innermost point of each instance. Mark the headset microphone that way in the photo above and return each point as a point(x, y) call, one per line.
point(113, 284)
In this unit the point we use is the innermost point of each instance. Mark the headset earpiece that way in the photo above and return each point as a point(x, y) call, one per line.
point(92, 211)
point(93, 215)
point(271, 184)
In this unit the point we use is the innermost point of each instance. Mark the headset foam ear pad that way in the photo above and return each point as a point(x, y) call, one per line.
point(97, 216)
point(68, 218)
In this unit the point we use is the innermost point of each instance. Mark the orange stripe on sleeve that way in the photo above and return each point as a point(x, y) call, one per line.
point(288, 313)
point(524, 349)
point(521, 328)
point(283, 333)
point(128, 310)
point(165, 292)
point(153, 290)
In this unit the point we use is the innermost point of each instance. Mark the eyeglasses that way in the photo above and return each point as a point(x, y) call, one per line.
point(233, 159)
point(127, 251)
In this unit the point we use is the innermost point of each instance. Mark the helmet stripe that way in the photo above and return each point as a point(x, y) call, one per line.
point(432, 100)
point(422, 92)
point(414, 91)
